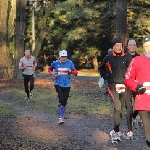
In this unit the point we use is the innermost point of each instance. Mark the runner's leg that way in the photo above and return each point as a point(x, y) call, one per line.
point(145, 116)
point(31, 83)
point(26, 86)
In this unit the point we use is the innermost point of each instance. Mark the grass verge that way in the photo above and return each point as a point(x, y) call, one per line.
point(82, 72)
point(82, 101)
point(7, 111)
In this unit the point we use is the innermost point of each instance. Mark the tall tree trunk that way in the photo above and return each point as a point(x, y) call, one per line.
point(95, 61)
point(11, 29)
point(19, 36)
point(5, 63)
point(42, 28)
point(121, 18)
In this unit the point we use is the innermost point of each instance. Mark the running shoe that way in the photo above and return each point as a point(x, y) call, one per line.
point(61, 120)
point(31, 93)
point(129, 135)
point(27, 98)
point(115, 136)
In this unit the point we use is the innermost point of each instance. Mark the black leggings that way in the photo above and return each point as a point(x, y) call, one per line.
point(135, 113)
point(145, 116)
point(129, 108)
point(118, 100)
point(63, 94)
point(27, 79)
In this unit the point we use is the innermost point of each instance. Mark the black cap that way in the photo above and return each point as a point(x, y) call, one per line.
point(146, 39)
point(116, 40)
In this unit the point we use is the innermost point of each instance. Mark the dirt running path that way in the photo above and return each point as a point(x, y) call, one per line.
point(77, 133)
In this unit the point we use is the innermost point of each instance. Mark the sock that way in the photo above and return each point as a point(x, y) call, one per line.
point(148, 143)
point(116, 128)
point(61, 110)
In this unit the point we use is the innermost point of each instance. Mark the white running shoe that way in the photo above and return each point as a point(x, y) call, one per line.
point(31, 93)
point(61, 120)
point(115, 136)
point(27, 98)
point(129, 135)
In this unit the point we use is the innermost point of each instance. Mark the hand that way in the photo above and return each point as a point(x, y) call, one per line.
point(69, 70)
point(33, 68)
point(24, 67)
point(140, 89)
point(54, 74)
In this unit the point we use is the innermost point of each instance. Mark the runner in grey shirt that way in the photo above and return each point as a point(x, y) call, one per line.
point(28, 64)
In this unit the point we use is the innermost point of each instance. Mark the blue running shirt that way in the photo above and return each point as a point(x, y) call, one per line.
point(61, 69)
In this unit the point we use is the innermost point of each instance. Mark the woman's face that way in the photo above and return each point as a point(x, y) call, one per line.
point(131, 46)
point(63, 59)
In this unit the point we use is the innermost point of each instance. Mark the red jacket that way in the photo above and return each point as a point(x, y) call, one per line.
point(138, 72)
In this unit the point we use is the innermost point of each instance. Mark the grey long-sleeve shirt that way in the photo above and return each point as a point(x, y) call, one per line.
point(29, 64)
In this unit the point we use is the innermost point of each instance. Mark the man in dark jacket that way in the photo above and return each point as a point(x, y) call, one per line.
point(115, 66)
point(131, 45)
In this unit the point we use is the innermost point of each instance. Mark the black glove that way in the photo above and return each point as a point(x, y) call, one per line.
point(140, 89)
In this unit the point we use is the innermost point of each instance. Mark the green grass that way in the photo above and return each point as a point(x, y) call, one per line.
point(7, 111)
point(82, 101)
point(82, 72)
point(87, 102)
point(88, 72)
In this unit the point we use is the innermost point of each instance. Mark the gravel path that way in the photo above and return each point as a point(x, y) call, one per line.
point(77, 133)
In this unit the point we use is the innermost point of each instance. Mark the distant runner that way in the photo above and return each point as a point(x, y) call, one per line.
point(28, 64)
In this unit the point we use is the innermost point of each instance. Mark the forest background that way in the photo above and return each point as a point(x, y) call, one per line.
point(85, 28)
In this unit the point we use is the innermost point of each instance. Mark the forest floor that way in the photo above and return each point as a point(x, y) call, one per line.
point(31, 129)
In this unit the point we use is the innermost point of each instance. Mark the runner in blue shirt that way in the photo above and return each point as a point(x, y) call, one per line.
point(63, 70)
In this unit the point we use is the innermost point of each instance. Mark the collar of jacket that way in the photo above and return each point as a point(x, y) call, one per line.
point(121, 54)
point(145, 54)
point(136, 54)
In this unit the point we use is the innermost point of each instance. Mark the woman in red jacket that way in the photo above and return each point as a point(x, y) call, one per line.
point(139, 69)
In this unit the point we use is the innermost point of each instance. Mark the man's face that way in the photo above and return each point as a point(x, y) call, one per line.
point(131, 46)
point(117, 48)
point(146, 47)
point(27, 53)
point(63, 59)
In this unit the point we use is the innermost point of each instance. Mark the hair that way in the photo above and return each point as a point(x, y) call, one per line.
point(130, 39)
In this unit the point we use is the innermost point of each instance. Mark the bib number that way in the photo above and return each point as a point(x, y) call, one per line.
point(120, 88)
point(147, 86)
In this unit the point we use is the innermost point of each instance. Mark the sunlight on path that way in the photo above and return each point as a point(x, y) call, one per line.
point(102, 139)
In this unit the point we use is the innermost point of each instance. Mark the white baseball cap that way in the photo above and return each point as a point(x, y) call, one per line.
point(62, 53)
